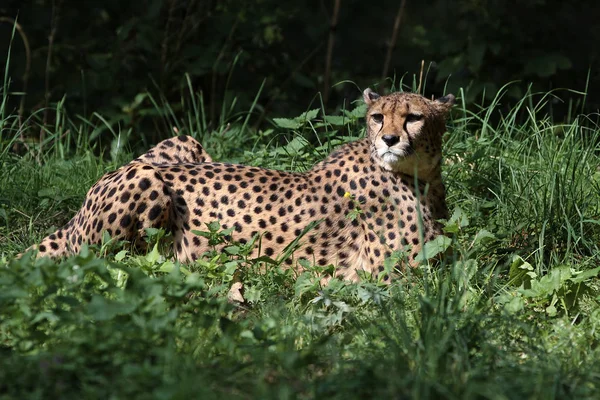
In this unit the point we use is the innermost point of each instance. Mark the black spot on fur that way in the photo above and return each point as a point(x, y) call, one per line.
point(155, 212)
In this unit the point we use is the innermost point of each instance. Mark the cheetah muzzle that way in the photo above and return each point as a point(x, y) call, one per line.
point(369, 198)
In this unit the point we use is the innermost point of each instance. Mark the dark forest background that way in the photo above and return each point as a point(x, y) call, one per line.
point(104, 56)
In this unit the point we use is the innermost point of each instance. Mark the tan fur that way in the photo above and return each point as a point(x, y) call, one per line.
point(396, 188)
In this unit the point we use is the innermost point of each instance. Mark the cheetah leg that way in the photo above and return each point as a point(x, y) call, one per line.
point(54, 245)
point(105, 209)
point(122, 203)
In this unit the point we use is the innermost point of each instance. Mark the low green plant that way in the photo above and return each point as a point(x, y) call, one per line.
point(504, 305)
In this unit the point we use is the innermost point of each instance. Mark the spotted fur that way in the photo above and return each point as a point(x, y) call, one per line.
point(372, 196)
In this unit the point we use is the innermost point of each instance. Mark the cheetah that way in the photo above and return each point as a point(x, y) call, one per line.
point(371, 197)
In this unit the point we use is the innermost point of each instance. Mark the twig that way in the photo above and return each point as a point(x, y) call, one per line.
point(392, 43)
point(213, 91)
point(21, 212)
point(54, 27)
point(187, 26)
point(332, 28)
point(25, 78)
point(421, 76)
point(227, 128)
point(165, 43)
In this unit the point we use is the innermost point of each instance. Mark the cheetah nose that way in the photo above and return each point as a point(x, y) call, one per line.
point(390, 140)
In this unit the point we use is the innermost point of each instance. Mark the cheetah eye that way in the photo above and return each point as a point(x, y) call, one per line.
point(414, 117)
point(378, 118)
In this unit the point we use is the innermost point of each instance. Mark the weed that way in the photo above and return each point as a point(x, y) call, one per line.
point(511, 311)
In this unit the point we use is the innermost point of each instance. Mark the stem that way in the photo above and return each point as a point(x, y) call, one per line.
point(332, 28)
point(213, 91)
point(392, 44)
point(165, 43)
point(421, 76)
point(25, 78)
point(47, 94)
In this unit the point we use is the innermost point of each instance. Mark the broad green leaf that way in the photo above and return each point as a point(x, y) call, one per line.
point(230, 267)
point(214, 226)
point(337, 120)
point(252, 294)
point(120, 255)
point(294, 146)
point(154, 255)
point(201, 233)
point(369, 292)
point(106, 237)
point(460, 217)
point(232, 250)
point(167, 267)
point(102, 309)
point(152, 231)
point(287, 123)
point(548, 284)
point(458, 220)
point(308, 115)
point(518, 273)
point(433, 248)
point(581, 276)
point(44, 316)
point(342, 306)
point(228, 231)
point(551, 310)
point(13, 293)
point(464, 271)
point(484, 236)
point(359, 111)
point(515, 305)
point(305, 283)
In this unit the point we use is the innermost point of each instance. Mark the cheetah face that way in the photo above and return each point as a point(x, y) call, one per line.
point(405, 131)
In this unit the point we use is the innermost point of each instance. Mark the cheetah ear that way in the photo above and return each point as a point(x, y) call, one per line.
point(446, 102)
point(370, 96)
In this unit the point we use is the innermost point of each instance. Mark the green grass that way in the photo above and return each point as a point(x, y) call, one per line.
point(512, 313)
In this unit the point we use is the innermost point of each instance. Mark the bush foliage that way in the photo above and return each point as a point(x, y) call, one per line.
point(106, 57)
point(512, 312)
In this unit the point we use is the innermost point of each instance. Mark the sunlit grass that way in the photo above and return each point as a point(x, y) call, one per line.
point(511, 313)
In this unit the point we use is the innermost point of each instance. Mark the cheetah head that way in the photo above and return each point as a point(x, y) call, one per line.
point(405, 131)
